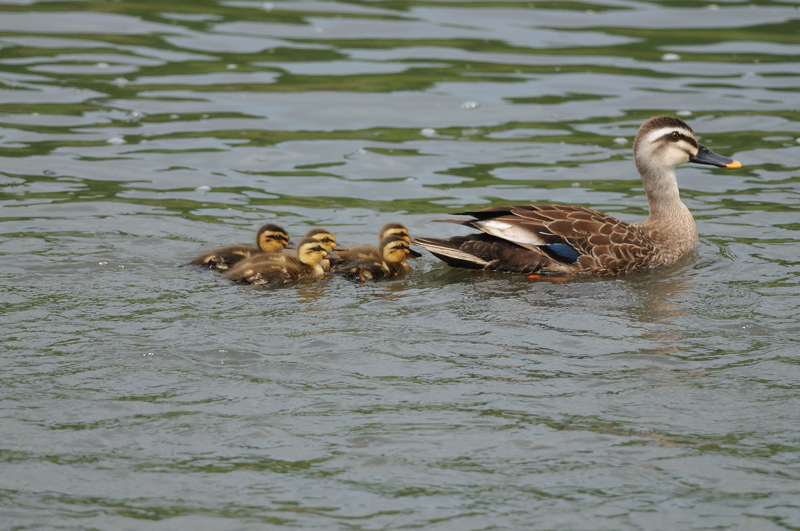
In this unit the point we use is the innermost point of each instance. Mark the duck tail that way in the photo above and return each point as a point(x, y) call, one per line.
point(449, 251)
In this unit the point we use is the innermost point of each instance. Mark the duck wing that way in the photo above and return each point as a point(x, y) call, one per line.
point(566, 238)
point(484, 251)
point(261, 272)
point(224, 258)
point(363, 252)
point(364, 270)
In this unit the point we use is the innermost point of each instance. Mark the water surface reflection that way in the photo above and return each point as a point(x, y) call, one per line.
point(133, 136)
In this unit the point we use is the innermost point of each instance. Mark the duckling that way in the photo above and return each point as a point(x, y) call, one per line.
point(364, 252)
point(328, 240)
point(386, 261)
point(567, 240)
point(269, 269)
point(270, 239)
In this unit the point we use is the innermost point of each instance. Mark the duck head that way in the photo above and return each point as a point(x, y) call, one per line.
point(665, 142)
point(271, 238)
point(394, 229)
point(325, 238)
point(312, 252)
point(395, 249)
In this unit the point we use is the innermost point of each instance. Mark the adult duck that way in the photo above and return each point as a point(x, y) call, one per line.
point(565, 239)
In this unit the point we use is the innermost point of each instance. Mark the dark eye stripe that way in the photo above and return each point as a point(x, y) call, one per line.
point(680, 136)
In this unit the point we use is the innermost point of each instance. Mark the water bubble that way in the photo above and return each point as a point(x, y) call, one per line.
point(120, 82)
point(428, 131)
point(174, 116)
point(232, 66)
point(470, 132)
point(102, 65)
point(355, 154)
point(470, 105)
point(268, 6)
point(203, 188)
point(49, 173)
point(135, 116)
point(684, 113)
point(670, 57)
point(751, 75)
point(34, 114)
point(116, 141)
point(620, 141)
point(102, 263)
point(575, 185)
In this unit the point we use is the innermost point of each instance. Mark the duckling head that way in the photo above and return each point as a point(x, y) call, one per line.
point(394, 249)
point(666, 142)
point(311, 252)
point(394, 229)
point(271, 238)
point(325, 238)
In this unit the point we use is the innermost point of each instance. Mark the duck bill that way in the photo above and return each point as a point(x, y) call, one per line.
point(413, 254)
point(340, 248)
point(706, 156)
point(291, 245)
point(332, 257)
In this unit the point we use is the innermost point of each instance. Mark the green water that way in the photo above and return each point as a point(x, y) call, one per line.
point(137, 394)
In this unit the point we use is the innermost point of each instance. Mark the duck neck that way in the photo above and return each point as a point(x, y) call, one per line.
point(670, 223)
point(316, 265)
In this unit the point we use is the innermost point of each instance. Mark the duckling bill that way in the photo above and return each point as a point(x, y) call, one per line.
point(566, 239)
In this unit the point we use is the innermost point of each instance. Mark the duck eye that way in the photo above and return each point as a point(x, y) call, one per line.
point(675, 135)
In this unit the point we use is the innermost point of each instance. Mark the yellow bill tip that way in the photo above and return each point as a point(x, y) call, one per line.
point(734, 164)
